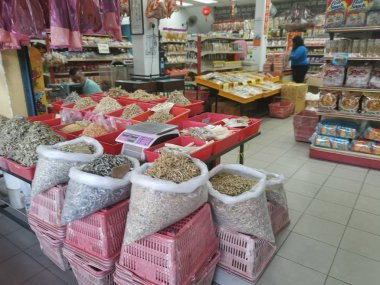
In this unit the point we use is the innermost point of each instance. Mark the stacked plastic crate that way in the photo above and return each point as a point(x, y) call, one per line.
point(184, 253)
point(45, 219)
point(92, 244)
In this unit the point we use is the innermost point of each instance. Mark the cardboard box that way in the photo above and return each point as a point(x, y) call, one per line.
point(296, 93)
point(228, 108)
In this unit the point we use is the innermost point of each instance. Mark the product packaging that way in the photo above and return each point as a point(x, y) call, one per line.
point(374, 82)
point(340, 143)
point(333, 75)
point(357, 13)
point(371, 104)
point(358, 76)
point(362, 146)
point(327, 128)
point(328, 100)
point(348, 131)
point(336, 12)
point(320, 140)
point(372, 134)
point(349, 103)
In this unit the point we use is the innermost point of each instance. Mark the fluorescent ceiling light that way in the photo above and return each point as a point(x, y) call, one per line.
point(184, 4)
point(206, 1)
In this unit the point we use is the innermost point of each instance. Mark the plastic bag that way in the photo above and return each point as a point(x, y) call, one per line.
point(340, 143)
point(336, 13)
point(375, 78)
point(358, 76)
point(7, 38)
point(349, 103)
point(356, 13)
point(274, 188)
point(89, 17)
point(156, 204)
point(371, 104)
point(111, 18)
point(53, 165)
point(87, 193)
point(155, 9)
point(372, 134)
point(333, 75)
point(320, 140)
point(328, 100)
point(362, 146)
point(246, 213)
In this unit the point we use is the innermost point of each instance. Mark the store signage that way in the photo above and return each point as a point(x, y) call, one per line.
point(103, 48)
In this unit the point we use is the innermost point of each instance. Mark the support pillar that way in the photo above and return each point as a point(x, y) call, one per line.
point(261, 31)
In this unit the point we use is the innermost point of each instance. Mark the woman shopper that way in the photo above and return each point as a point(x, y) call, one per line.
point(299, 59)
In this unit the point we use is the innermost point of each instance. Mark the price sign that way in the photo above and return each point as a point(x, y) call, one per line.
point(103, 48)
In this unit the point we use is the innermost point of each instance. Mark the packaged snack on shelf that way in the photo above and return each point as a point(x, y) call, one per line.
point(356, 13)
point(340, 143)
point(346, 131)
point(371, 104)
point(372, 134)
point(363, 47)
point(355, 48)
point(333, 75)
point(349, 102)
point(362, 146)
point(327, 128)
point(373, 15)
point(376, 148)
point(319, 140)
point(328, 100)
point(336, 13)
point(374, 82)
point(358, 76)
point(371, 48)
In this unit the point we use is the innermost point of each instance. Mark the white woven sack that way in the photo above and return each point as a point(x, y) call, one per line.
point(274, 188)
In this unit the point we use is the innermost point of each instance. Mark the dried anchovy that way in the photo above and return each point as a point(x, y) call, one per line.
point(231, 184)
point(3, 120)
point(73, 128)
point(131, 111)
point(72, 98)
point(173, 167)
point(84, 103)
point(116, 92)
point(104, 164)
point(78, 148)
point(143, 96)
point(107, 105)
point(25, 149)
point(199, 133)
point(160, 117)
point(178, 98)
point(94, 130)
point(12, 131)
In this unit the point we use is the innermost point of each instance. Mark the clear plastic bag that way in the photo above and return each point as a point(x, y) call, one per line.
point(156, 204)
point(333, 75)
point(87, 193)
point(246, 213)
point(53, 165)
point(274, 188)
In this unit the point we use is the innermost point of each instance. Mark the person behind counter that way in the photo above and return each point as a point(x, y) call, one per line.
point(299, 59)
point(89, 87)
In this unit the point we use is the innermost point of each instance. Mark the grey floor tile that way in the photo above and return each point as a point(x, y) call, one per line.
point(371, 191)
point(302, 187)
point(319, 167)
point(373, 177)
point(8, 226)
point(297, 202)
point(67, 276)
point(7, 249)
point(355, 269)
point(290, 160)
point(264, 156)
point(254, 163)
point(356, 169)
point(352, 174)
point(321, 230)
point(329, 211)
point(344, 184)
point(333, 281)
point(283, 169)
point(286, 272)
point(36, 253)
point(367, 204)
point(22, 238)
point(310, 176)
point(339, 197)
point(361, 243)
point(18, 269)
point(308, 252)
point(365, 221)
point(44, 278)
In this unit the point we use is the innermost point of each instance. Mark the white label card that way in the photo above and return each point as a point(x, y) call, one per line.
point(103, 48)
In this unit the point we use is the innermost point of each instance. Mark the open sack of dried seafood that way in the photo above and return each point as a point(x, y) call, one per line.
point(237, 196)
point(13, 130)
point(163, 193)
point(274, 188)
point(54, 162)
point(96, 185)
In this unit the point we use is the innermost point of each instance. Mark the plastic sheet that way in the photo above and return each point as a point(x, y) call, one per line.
point(7, 39)
point(90, 18)
point(111, 18)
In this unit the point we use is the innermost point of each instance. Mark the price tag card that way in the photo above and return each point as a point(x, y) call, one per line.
point(103, 48)
point(225, 86)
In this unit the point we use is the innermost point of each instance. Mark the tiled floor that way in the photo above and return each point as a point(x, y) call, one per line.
point(333, 239)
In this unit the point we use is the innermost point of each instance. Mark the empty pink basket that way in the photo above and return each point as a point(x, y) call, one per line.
point(173, 256)
point(100, 234)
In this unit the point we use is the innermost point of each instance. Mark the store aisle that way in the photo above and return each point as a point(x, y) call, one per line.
point(333, 239)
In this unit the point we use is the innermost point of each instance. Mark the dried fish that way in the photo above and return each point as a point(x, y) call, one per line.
point(78, 148)
point(116, 92)
point(107, 105)
point(208, 132)
point(160, 117)
point(84, 103)
point(178, 98)
point(131, 111)
point(3, 120)
point(173, 167)
point(94, 130)
point(104, 164)
point(12, 131)
point(232, 184)
point(143, 96)
point(74, 127)
point(73, 97)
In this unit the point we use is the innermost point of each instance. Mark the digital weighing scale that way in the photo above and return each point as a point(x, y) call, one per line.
point(141, 136)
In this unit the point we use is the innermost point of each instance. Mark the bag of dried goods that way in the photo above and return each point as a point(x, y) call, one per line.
point(237, 196)
point(328, 100)
point(96, 185)
point(336, 13)
point(12, 131)
point(131, 111)
point(349, 103)
point(163, 193)
point(374, 82)
point(274, 188)
point(371, 104)
point(333, 75)
point(54, 162)
point(84, 103)
point(356, 13)
point(358, 76)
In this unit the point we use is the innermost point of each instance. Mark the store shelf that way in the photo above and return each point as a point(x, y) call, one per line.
point(276, 46)
point(204, 53)
point(315, 54)
point(92, 59)
point(173, 42)
point(349, 116)
point(315, 46)
point(96, 46)
point(191, 49)
point(84, 72)
point(219, 68)
point(175, 63)
point(220, 38)
point(353, 29)
point(347, 157)
point(191, 60)
point(356, 58)
point(316, 63)
point(175, 53)
point(349, 89)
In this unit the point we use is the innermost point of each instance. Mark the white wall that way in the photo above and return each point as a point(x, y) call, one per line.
point(178, 20)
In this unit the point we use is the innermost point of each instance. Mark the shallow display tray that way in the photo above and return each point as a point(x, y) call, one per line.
point(353, 29)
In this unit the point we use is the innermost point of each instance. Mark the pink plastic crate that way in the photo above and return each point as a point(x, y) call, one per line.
point(179, 114)
point(48, 205)
point(244, 255)
point(230, 141)
point(4, 163)
point(127, 100)
point(41, 118)
point(109, 144)
point(192, 94)
point(66, 136)
point(190, 124)
point(303, 134)
point(55, 232)
point(279, 217)
point(20, 170)
point(281, 109)
point(253, 128)
point(174, 255)
point(209, 118)
point(204, 153)
point(53, 251)
point(306, 118)
point(196, 107)
point(100, 234)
